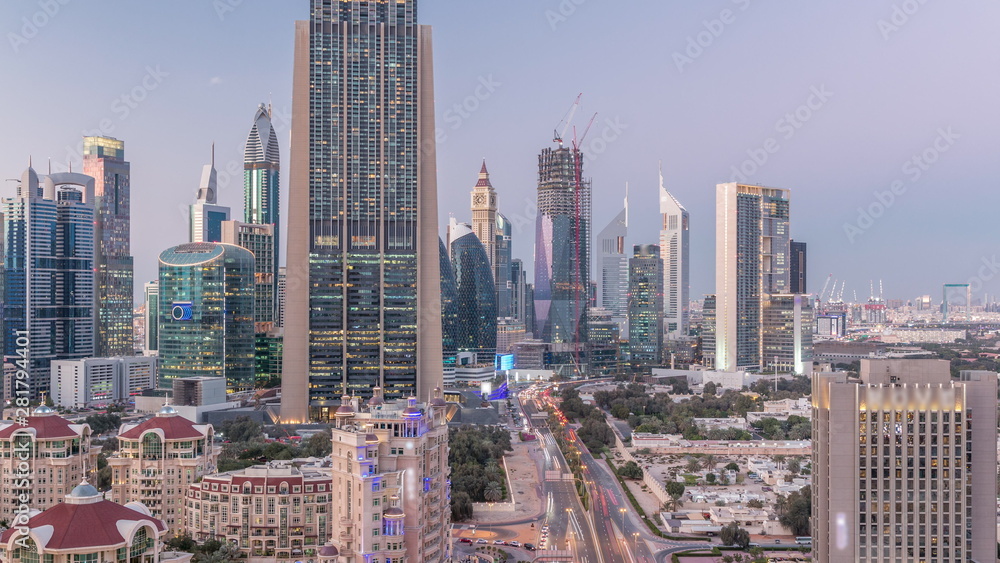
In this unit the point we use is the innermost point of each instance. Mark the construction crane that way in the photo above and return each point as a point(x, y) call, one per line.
point(557, 134)
point(825, 286)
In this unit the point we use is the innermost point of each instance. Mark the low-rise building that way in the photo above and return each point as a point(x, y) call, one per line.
point(85, 528)
point(59, 455)
point(278, 511)
point(158, 460)
point(99, 381)
point(706, 424)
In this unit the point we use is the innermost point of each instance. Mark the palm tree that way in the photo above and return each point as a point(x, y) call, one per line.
point(709, 461)
point(493, 492)
point(492, 470)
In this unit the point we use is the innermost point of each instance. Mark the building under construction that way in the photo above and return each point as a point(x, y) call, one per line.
point(562, 254)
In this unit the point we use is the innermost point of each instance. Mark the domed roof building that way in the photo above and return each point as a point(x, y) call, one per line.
point(158, 460)
point(86, 527)
point(59, 455)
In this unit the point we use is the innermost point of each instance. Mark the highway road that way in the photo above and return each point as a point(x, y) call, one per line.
point(624, 536)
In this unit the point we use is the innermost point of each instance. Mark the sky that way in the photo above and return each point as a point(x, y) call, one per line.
point(880, 116)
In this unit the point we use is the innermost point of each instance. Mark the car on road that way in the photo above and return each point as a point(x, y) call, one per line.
point(545, 529)
point(499, 542)
point(777, 541)
point(465, 540)
point(529, 546)
point(482, 541)
point(515, 543)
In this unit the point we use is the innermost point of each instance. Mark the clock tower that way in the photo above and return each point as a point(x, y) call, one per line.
point(484, 214)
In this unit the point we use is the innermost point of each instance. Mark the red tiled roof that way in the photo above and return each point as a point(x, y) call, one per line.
point(49, 427)
point(93, 525)
point(174, 428)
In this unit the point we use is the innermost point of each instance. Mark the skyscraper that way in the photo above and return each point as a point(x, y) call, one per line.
point(751, 259)
point(520, 302)
point(104, 160)
point(206, 310)
point(562, 249)
point(206, 214)
point(260, 241)
point(904, 464)
point(787, 324)
point(261, 207)
point(476, 295)
point(484, 214)
point(645, 305)
point(152, 316)
point(502, 267)
point(49, 276)
point(613, 263)
point(797, 267)
point(675, 235)
point(449, 313)
point(362, 210)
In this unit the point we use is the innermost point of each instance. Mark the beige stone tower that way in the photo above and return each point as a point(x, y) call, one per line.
point(484, 214)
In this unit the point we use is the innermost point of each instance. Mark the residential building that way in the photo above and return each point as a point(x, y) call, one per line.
point(151, 317)
point(49, 277)
point(279, 511)
point(787, 323)
point(390, 480)
point(104, 160)
point(279, 317)
point(645, 305)
point(86, 527)
point(509, 333)
point(101, 381)
point(60, 456)
point(158, 460)
point(562, 253)
point(904, 464)
point(613, 264)
point(206, 323)
point(751, 259)
point(476, 292)
point(675, 250)
point(708, 332)
point(364, 216)
point(206, 215)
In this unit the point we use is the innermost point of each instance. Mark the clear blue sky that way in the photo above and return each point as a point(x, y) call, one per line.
point(892, 81)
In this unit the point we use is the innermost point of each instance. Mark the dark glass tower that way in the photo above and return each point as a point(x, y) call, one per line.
point(364, 297)
point(798, 267)
point(645, 305)
point(104, 160)
point(449, 309)
point(562, 250)
point(476, 292)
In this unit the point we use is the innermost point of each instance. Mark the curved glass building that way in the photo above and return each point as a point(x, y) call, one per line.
point(206, 322)
point(476, 292)
point(449, 310)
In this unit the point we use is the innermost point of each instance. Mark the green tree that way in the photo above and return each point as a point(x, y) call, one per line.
point(794, 465)
point(241, 429)
point(794, 513)
point(631, 470)
point(710, 478)
point(710, 389)
point(461, 506)
point(675, 489)
point(732, 534)
point(732, 466)
point(318, 445)
point(493, 492)
point(755, 503)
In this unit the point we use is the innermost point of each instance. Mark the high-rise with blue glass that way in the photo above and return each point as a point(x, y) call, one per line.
point(475, 292)
point(364, 301)
point(206, 306)
point(49, 292)
point(206, 214)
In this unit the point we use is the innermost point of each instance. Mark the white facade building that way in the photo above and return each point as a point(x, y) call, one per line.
point(91, 381)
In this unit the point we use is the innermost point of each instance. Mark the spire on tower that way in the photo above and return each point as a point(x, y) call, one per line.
point(484, 177)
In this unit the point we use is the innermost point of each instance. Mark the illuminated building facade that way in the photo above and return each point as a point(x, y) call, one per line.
point(104, 160)
point(206, 323)
point(363, 210)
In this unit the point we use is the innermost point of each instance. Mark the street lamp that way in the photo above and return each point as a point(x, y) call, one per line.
point(622, 511)
point(635, 536)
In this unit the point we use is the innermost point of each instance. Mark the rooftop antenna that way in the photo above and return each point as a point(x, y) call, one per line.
point(213, 154)
point(50, 165)
point(626, 204)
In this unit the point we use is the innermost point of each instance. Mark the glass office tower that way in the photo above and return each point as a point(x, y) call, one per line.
point(206, 324)
point(364, 303)
point(104, 160)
